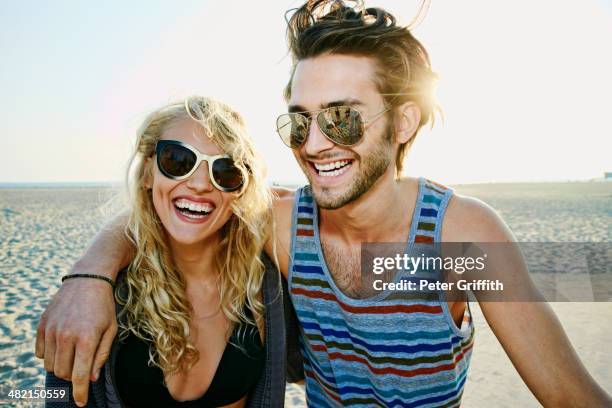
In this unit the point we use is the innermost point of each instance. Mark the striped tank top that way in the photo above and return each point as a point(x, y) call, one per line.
point(390, 350)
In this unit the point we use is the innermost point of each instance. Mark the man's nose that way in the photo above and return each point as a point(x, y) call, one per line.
point(316, 142)
point(199, 181)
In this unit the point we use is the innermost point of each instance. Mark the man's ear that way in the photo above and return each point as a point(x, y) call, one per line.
point(148, 173)
point(407, 118)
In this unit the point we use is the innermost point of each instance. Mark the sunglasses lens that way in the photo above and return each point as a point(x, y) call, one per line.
point(175, 160)
point(226, 174)
point(342, 124)
point(293, 129)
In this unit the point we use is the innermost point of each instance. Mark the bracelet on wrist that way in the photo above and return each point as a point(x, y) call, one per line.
point(87, 275)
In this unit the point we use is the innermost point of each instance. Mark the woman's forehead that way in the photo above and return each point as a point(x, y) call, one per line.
point(188, 131)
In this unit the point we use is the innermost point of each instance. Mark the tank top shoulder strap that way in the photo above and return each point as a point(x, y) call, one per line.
point(303, 223)
point(432, 200)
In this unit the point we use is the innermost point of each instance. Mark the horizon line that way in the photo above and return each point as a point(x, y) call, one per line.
point(59, 184)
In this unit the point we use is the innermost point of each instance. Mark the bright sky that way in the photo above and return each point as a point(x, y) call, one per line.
point(525, 85)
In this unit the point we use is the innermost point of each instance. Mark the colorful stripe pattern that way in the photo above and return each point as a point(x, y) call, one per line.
point(392, 351)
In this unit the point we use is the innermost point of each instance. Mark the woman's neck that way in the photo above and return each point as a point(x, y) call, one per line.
point(196, 261)
point(196, 264)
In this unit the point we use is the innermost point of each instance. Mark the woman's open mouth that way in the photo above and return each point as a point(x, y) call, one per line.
point(192, 211)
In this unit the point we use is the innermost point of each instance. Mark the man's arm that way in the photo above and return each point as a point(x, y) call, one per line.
point(76, 331)
point(529, 331)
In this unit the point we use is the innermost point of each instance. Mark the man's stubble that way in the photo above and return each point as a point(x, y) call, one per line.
point(372, 167)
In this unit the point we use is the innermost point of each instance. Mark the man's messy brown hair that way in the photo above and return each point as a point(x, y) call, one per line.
point(346, 27)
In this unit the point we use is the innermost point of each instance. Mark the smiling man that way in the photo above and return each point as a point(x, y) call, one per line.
point(360, 90)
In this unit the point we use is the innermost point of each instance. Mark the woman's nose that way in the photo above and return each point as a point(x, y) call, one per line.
point(199, 181)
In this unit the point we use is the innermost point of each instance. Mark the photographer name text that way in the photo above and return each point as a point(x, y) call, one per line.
point(426, 285)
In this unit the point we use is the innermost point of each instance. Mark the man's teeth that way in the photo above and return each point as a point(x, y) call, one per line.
point(330, 166)
point(332, 169)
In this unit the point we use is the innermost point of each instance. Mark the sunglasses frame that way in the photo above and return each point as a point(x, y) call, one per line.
point(310, 118)
point(200, 157)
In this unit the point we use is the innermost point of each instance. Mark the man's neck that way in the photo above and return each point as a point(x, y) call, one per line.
point(380, 215)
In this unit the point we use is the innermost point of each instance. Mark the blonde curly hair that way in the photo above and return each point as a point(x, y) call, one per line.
point(155, 304)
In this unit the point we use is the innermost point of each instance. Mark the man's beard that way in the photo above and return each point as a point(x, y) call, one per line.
point(372, 167)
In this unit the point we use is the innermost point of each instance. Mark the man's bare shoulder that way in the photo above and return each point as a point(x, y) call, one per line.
point(283, 192)
point(469, 219)
point(283, 203)
point(283, 211)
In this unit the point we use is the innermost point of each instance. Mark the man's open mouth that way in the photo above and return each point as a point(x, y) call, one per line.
point(192, 209)
point(333, 169)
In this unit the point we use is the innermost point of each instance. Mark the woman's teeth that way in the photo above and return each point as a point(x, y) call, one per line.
point(332, 169)
point(193, 210)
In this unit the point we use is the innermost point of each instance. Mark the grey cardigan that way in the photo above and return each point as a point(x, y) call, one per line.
point(283, 357)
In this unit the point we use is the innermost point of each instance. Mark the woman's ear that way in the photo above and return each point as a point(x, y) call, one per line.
point(408, 117)
point(148, 173)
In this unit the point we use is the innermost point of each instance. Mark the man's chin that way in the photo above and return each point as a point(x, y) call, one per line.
point(331, 198)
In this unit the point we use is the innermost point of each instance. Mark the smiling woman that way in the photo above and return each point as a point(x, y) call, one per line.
point(185, 191)
point(191, 317)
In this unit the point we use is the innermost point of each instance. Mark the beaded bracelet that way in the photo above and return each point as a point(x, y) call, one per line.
point(87, 275)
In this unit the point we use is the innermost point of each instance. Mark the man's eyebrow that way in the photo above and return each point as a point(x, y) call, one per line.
point(341, 102)
point(296, 108)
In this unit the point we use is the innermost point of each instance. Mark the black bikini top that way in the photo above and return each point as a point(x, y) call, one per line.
point(140, 385)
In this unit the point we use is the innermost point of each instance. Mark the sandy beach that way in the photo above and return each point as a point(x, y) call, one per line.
point(45, 229)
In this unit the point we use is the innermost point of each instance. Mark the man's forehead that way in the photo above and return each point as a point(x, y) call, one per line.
point(323, 80)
